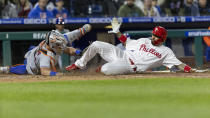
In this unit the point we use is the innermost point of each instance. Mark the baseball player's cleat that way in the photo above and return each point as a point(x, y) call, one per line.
point(71, 67)
point(98, 69)
point(4, 69)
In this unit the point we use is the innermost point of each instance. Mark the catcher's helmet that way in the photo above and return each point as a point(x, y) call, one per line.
point(161, 33)
point(56, 41)
point(60, 21)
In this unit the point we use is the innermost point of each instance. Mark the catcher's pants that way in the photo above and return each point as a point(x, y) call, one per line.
point(118, 62)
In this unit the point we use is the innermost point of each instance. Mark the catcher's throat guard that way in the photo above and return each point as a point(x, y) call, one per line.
point(56, 41)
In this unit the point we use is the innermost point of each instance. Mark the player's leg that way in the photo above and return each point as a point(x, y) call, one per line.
point(117, 67)
point(107, 51)
point(17, 69)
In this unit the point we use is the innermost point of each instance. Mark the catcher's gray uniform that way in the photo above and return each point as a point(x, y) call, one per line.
point(40, 57)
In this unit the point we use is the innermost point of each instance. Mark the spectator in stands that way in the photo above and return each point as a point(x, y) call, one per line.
point(155, 4)
point(191, 8)
point(204, 8)
point(40, 11)
point(173, 8)
point(59, 10)
point(94, 8)
point(33, 2)
point(101, 8)
point(8, 10)
point(120, 2)
point(111, 7)
point(50, 5)
point(23, 8)
point(129, 9)
point(139, 4)
point(78, 10)
point(207, 41)
point(149, 9)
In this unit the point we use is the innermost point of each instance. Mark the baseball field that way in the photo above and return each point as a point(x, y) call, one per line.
point(181, 95)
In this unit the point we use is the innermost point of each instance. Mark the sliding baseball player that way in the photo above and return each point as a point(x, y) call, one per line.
point(139, 56)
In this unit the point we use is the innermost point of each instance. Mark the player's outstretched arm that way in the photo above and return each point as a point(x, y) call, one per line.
point(72, 51)
point(115, 24)
point(185, 68)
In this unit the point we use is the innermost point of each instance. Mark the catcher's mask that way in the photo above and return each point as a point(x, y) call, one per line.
point(56, 41)
point(159, 35)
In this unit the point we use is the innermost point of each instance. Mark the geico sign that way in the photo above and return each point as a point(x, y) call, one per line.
point(164, 19)
point(100, 20)
point(35, 21)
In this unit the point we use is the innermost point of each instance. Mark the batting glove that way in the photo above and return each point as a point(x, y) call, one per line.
point(115, 25)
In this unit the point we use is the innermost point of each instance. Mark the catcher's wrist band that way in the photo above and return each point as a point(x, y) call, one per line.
point(52, 73)
point(187, 69)
point(123, 38)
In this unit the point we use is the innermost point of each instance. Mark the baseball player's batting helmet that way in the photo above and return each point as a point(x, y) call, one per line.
point(161, 33)
point(60, 21)
point(56, 41)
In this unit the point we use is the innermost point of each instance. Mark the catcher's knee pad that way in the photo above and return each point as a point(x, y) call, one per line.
point(19, 69)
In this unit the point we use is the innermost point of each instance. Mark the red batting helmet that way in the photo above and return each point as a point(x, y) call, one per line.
point(161, 33)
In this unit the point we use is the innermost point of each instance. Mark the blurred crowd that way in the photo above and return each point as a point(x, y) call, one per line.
point(102, 8)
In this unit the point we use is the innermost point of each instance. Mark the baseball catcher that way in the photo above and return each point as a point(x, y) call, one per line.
point(43, 58)
point(139, 56)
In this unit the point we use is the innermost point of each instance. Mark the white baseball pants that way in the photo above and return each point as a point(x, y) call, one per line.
point(117, 61)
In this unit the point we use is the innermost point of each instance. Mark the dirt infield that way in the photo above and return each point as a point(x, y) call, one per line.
point(96, 76)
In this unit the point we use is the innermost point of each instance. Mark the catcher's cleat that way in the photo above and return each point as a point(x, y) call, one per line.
point(4, 69)
point(71, 67)
point(98, 69)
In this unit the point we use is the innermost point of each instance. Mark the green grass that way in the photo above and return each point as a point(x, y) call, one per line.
point(134, 98)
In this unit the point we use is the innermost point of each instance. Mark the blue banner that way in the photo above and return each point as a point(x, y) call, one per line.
point(181, 19)
point(197, 33)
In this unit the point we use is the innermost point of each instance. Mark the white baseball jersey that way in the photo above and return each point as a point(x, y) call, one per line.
point(140, 55)
point(146, 56)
